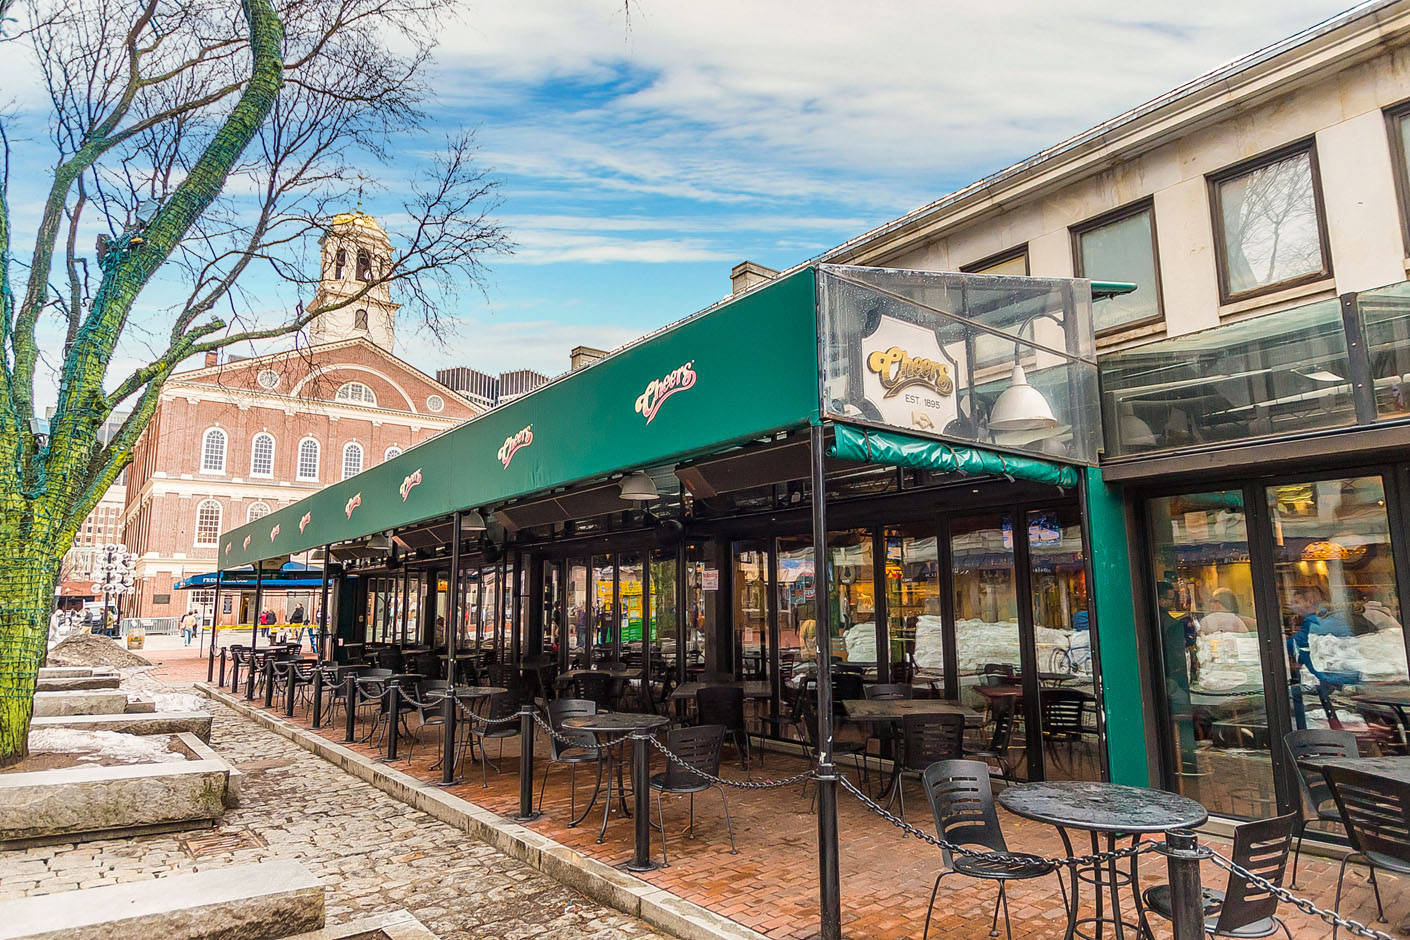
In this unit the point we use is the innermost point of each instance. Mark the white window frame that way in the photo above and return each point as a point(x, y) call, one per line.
point(219, 517)
point(254, 443)
point(250, 513)
point(391, 452)
point(365, 394)
point(348, 448)
point(205, 449)
point(299, 459)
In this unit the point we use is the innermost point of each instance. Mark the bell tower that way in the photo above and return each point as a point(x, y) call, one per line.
point(356, 254)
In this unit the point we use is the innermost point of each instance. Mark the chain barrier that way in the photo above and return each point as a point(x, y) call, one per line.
point(1140, 848)
point(725, 781)
point(566, 741)
point(1330, 918)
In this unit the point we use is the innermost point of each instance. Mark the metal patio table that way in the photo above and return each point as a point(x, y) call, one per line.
point(894, 711)
point(1395, 696)
point(1103, 809)
point(613, 725)
point(684, 693)
point(1392, 768)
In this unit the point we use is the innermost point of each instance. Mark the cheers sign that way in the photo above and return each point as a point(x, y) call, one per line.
point(411, 480)
point(649, 402)
point(353, 502)
point(515, 443)
point(897, 369)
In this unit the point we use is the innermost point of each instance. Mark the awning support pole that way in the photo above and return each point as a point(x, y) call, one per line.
point(452, 630)
point(324, 647)
point(254, 629)
point(829, 880)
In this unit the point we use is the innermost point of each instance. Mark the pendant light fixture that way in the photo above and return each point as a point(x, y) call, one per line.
point(472, 521)
point(637, 487)
point(1021, 407)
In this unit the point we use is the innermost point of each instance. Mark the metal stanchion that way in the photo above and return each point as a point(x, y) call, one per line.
point(210, 664)
point(221, 683)
point(526, 765)
point(250, 677)
point(1182, 858)
point(317, 697)
point(350, 707)
point(234, 673)
point(641, 785)
point(268, 679)
point(393, 717)
point(290, 687)
point(448, 742)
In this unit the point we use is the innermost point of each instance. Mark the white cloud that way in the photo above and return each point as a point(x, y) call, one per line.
point(491, 344)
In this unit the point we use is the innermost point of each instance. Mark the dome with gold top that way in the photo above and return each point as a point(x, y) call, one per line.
point(360, 219)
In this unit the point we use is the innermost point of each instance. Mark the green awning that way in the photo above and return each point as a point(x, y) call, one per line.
point(902, 450)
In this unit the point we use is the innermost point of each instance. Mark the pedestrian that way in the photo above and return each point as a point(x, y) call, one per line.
point(188, 626)
point(296, 622)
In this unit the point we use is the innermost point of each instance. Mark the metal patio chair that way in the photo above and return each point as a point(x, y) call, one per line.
point(1376, 813)
point(724, 705)
point(962, 803)
point(1317, 803)
point(579, 748)
point(501, 705)
point(593, 686)
point(1001, 740)
point(700, 747)
point(925, 740)
point(1242, 911)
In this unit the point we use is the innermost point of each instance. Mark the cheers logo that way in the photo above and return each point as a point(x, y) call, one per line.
point(246, 543)
point(303, 522)
point(515, 443)
point(274, 533)
point(649, 402)
point(412, 480)
point(897, 369)
point(353, 502)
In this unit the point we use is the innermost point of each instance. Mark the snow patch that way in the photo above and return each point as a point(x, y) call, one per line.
point(180, 702)
point(96, 746)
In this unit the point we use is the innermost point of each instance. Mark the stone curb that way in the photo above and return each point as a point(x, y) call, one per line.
point(599, 881)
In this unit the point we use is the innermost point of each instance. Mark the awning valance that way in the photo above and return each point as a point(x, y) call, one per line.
point(865, 445)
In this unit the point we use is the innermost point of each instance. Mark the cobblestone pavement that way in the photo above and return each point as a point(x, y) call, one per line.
point(372, 853)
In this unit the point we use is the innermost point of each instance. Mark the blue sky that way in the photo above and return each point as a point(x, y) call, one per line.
point(640, 159)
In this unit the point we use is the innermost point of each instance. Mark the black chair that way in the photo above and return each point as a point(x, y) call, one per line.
point(1376, 813)
point(962, 802)
point(1061, 711)
point(724, 705)
point(595, 687)
point(700, 747)
point(389, 657)
point(887, 734)
point(502, 705)
point(579, 748)
point(1243, 911)
point(426, 663)
point(1001, 740)
point(371, 688)
point(716, 678)
point(1306, 748)
point(925, 740)
point(841, 747)
point(427, 698)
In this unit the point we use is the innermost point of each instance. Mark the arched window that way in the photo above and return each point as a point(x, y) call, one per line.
point(340, 262)
point(360, 319)
point(393, 451)
point(358, 392)
point(262, 455)
point(208, 522)
point(256, 511)
point(364, 265)
point(352, 460)
point(213, 451)
point(308, 459)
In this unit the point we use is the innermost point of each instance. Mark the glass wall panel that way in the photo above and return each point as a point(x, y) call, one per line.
point(751, 610)
point(854, 593)
point(441, 607)
point(1063, 641)
point(986, 605)
point(579, 613)
point(489, 610)
point(797, 607)
point(604, 607)
point(631, 619)
point(410, 623)
point(913, 621)
point(552, 600)
point(1282, 373)
point(1385, 322)
point(695, 607)
point(1212, 666)
point(1339, 602)
point(467, 638)
point(663, 609)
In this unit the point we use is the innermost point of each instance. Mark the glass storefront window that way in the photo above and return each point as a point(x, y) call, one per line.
point(986, 604)
point(914, 624)
point(1385, 323)
point(663, 605)
point(468, 638)
point(695, 600)
point(1338, 600)
point(797, 606)
point(629, 584)
point(579, 613)
point(1220, 737)
point(751, 610)
point(604, 607)
point(488, 609)
point(1063, 640)
point(552, 607)
point(854, 593)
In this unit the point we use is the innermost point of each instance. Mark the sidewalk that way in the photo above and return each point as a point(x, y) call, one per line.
point(372, 853)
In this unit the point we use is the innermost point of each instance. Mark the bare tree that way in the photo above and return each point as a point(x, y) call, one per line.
point(200, 146)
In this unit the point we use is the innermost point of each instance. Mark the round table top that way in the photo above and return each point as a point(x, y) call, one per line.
point(1102, 807)
point(477, 691)
point(616, 722)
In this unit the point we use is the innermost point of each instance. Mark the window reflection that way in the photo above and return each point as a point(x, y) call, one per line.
point(751, 610)
point(1271, 225)
point(913, 620)
point(854, 587)
point(577, 612)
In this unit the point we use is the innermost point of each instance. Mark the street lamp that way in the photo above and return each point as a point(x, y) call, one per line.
point(116, 575)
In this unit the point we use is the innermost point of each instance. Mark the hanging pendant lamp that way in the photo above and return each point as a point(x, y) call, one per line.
point(1021, 407)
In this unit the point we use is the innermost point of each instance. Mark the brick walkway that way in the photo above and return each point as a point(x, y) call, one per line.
point(771, 885)
point(372, 853)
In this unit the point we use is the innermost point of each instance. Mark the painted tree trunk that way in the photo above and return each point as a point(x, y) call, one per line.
point(26, 597)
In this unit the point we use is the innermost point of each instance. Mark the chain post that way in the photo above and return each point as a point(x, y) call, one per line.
point(350, 707)
point(393, 693)
point(210, 664)
point(1182, 858)
point(290, 687)
point(448, 740)
point(221, 683)
point(641, 785)
point(317, 717)
point(268, 679)
point(526, 765)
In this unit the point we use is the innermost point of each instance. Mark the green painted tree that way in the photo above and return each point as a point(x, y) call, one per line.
point(200, 146)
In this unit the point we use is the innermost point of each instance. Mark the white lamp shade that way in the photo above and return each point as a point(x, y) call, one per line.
point(638, 487)
point(1021, 407)
point(472, 521)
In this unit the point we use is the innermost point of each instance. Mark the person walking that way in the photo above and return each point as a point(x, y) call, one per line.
point(296, 623)
point(188, 626)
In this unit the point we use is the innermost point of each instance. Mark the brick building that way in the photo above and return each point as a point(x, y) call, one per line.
point(231, 441)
